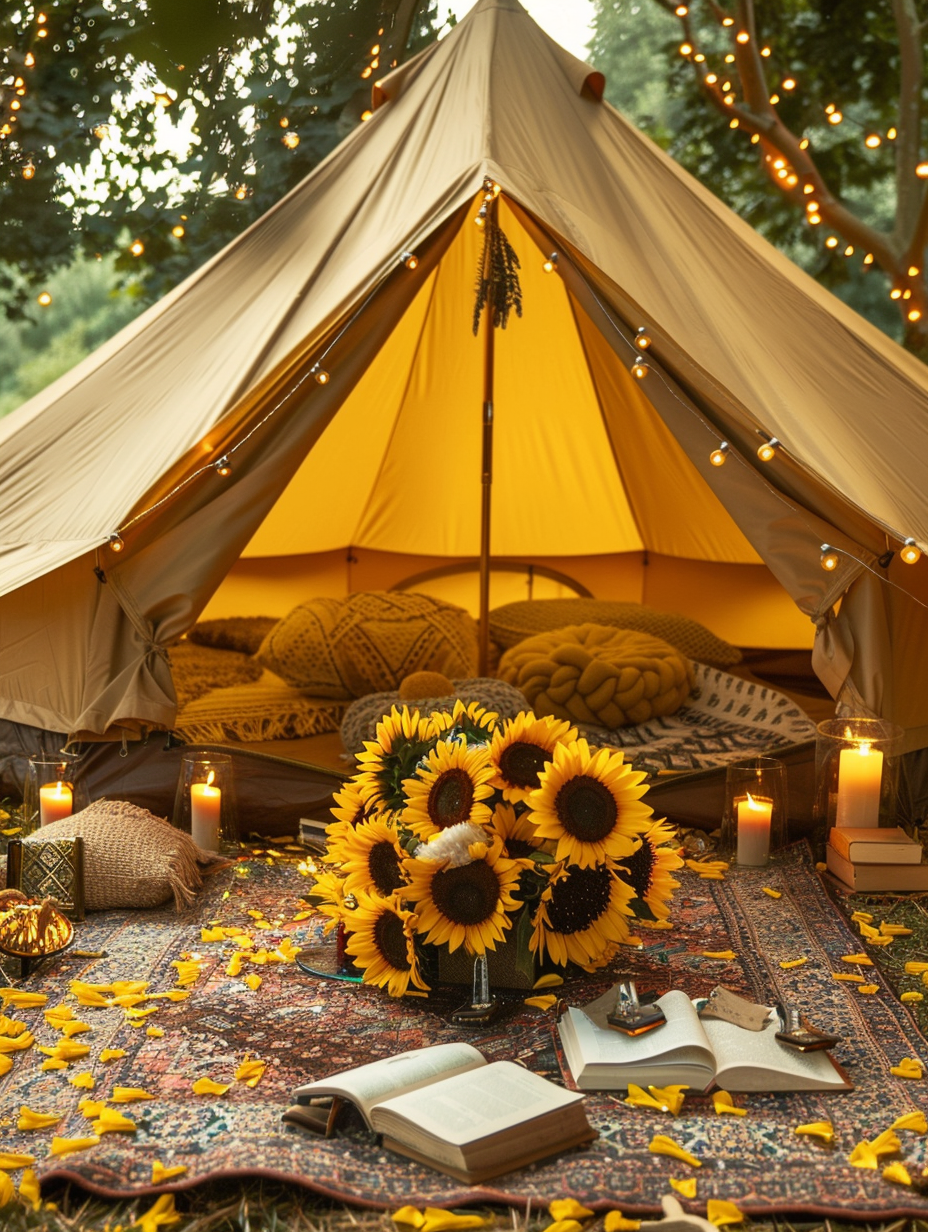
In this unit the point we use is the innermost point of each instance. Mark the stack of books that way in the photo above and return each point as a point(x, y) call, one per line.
point(879, 859)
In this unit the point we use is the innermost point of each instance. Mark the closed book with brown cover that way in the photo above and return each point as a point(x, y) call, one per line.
point(880, 845)
point(876, 876)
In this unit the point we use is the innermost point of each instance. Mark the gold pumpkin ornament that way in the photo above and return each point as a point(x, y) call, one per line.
point(29, 929)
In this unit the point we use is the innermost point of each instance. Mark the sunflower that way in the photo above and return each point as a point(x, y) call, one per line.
point(370, 857)
point(581, 915)
point(591, 803)
point(329, 892)
point(448, 788)
point(518, 832)
point(521, 747)
point(382, 944)
point(647, 870)
point(472, 721)
point(402, 739)
point(349, 809)
point(465, 904)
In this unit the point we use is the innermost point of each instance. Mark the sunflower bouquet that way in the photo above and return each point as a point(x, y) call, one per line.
point(457, 826)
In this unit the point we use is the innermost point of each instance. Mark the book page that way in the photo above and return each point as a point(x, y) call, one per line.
point(367, 1085)
point(473, 1105)
point(757, 1061)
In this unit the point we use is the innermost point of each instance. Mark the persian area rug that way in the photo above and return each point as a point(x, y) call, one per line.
point(305, 1027)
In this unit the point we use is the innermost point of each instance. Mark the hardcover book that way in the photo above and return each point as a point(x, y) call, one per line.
point(880, 845)
point(876, 876)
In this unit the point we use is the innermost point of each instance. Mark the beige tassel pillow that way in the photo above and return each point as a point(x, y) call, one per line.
point(133, 858)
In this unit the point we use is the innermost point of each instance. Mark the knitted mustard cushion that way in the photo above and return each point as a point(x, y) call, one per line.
point(369, 642)
point(515, 621)
point(595, 674)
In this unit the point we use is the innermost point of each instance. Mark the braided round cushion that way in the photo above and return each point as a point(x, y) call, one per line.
point(596, 674)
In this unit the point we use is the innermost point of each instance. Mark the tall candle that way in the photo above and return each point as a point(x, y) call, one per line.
point(205, 812)
point(55, 801)
point(754, 814)
point(860, 774)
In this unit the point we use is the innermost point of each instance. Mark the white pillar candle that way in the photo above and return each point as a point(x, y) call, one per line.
point(754, 814)
point(55, 801)
point(860, 774)
point(205, 812)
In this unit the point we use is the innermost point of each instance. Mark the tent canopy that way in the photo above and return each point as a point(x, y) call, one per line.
point(385, 457)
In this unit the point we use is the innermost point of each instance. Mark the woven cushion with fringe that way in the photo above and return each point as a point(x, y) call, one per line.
point(242, 633)
point(594, 674)
point(513, 622)
point(361, 717)
point(133, 858)
point(265, 710)
point(367, 643)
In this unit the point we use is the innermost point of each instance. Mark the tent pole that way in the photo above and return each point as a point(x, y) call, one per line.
point(486, 484)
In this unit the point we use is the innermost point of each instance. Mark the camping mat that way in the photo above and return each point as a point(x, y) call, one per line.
point(725, 719)
point(306, 1027)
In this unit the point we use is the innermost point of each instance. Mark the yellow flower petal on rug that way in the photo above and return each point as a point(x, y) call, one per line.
point(552, 980)
point(128, 1095)
point(7, 1192)
point(53, 1014)
point(12, 996)
point(234, 966)
point(301, 915)
point(52, 1064)
point(863, 1156)
point(771, 893)
point(84, 1080)
point(125, 987)
point(206, 1086)
point(861, 959)
point(868, 990)
point(112, 1054)
point(112, 1122)
point(18, 1043)
point(568, 1208)
point(723, 1103)
point(664, 1099)
point(67, 1050)
point(867, 930)
point(76, 1027)
point(37, 1120)
point(849, 977)
point(820, 866)
point(722, 1213)
point(250, 1072)
point(129, 1000)
point(546, 1001)
point(615, 1221)
point(136, 1015)
point(880, 940)
point(898, 1173)
point(894, 930)
point(161, 1215)
point(160, 1173)
point(80, 987)
point(912, 996)
point(154, 1032)
point(638, 1097)
point(244, 942)
point(212, 934)
point(437, 1220)
point(660, 1144)
point(5, 1065)
point(9, 1160)
point(686, 1187)
point(11, 1026)
point(188, 972)
point(916, 968)
point(174, 994)
point(789, 963)
point(817, 1129)
point(91, 1108)
point(253, 981)
point(711, 876)
point(289, 952)
point(887, 1143)
point(861, 915)
point(914, 1122)
point(908, 1067)
point(726, 954)
point(29, 1190)
point(408, 1215)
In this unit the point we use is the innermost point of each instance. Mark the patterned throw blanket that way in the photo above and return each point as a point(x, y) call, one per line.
point(305, 1027)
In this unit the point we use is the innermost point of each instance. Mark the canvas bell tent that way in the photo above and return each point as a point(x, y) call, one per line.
point(200, 442)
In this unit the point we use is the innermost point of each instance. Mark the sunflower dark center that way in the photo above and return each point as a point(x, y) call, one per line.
point(640, 868)
point(519, 849)
point(466, 895)
point(384, 866)
point(521, 763)
point(580, 899)
point(451, 798)
point(390, 940)
point(586, 808)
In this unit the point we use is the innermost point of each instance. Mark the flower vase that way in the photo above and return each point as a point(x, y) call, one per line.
point(511, 965)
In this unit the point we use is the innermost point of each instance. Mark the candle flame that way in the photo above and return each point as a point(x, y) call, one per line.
point(210, 777)
point(752, 803)
point(864, 748)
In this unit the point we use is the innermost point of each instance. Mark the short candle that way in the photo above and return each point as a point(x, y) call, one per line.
point(205, 813)
point(753, 829)
point(55, 801)
point(860, 776)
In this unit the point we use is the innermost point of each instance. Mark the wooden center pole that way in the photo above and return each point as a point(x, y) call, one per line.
point(486, 487)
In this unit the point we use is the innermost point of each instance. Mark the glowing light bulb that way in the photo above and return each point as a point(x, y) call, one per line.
point(873, 140)
point(728, 21)
point(410, 260)
point(178, 232)
point(284, 122)
point(375, 50)
point(640, 369)
point(365, 116)
point(15, 105)
point(137, 248)
point(734, 123)
point(808, 189)
point(765, 51)
point(742, 37)
point(913, 314)
point(366, 72)
point(642, 338)
point(116, 542)
point(729, 59)
point(719, 455)
point(699, 58)
point(804, 143)
point(551, 264)
point(681, 10)
point(849, 251)
point(907, 293)
point(814, 219)
point(291, 140)
point(29, 61)
point(41, 19)
point(922, 171)
point(43, 33)
point(788, 83)
point(774, 99)
point(769, 448)
point(811, 206)
point(711, 79)
point(29, 170)
point(829, 108)
point(223, 466)
point(891, 134)
point(868, 259)
point(320, 374)
point(241, 193)
point(686, 49)
point(896, 293)
point(831, 242)
point(44, 298)
point(778, 163)
point(835, 118)
point(829, 559)
point(755, 137)
point(910, 552)
point(914, 271)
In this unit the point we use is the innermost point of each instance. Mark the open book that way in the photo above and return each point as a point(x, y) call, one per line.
point(447, 1107)
point(700, 1052)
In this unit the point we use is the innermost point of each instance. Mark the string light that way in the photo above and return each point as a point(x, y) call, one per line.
point(729, 59)
point(365, 116)
point(29, 61)
point(29, 170)
point(742, 37)
point(640, 369)
point(849, 251)
point(642, 338)
point(896, 293)
point(481, 219)
point(223, 466)
point(681, 10)
point(136, 248)
point(814, 219)
point(769, 448)
point(116, 542)
point(804, 143)
point(409, 259)
point(891, 134)
point(686, 49)
point(241, 193)
point(291, 140)
point(922, 171)
point(734, 123)
point(755, 137)
point(44, 299)
point(910, 552)
point(765, 51)
point(178, 232)
point(914, 315)
point(284, 122)
point(711, 79)
point(319, 374)
point(831, 242)
point(914, 271)
point(868, 259)
point(829, 559)
point(835, 118)
point(873, 140)
point(808, 189)
point(788, 83)
point(551, 264)
point(728, 21)
point(719, 455)
point(774, 99)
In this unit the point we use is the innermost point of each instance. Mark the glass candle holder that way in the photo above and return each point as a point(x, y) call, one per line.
point(755, 820)
point(204, 805)
point(856, 773)
point(53, 789)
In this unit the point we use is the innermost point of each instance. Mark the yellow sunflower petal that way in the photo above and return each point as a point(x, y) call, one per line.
point(771, 893)
point(28, 1119)
point(721, 1213)
point(437, 1220)
point(723, 1103)
point(51, 1063)
point(154, 1032)
point(253, 981)
point(916, 968)
point(29, 1189)
point(615, 1221)
point(161, 1215)
point(789, 963)
point(11, 996)
point(868, 990)
point(91, 1108)
point(160, 1173)
point(915, 1122)
point(84, 1080)
point(112, 1054)
point(568, 1208)
point(660, 1144)
point(722, 954)
point(10, 1160)
point(128, 1095)
point(564, 1225)
point(912, 996)
point(206, 1086)
point(886, 1143)
point(686, 1187)
point(7, 1191)
point(898, 1173)
point(817, 1129)
point(112, 1122)
point(849, 977)
point(409, 1215)
point(18, 1043)
point(861, 959)
point(863, 1156)
point(545, 1002)
point(908, 1067)
point(552, 980)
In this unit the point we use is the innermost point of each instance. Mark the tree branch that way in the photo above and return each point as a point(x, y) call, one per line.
point(910, 192)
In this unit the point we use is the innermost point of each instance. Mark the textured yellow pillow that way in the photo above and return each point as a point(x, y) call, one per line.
point(595, 674)
point(369, 642)
point(515, 621)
